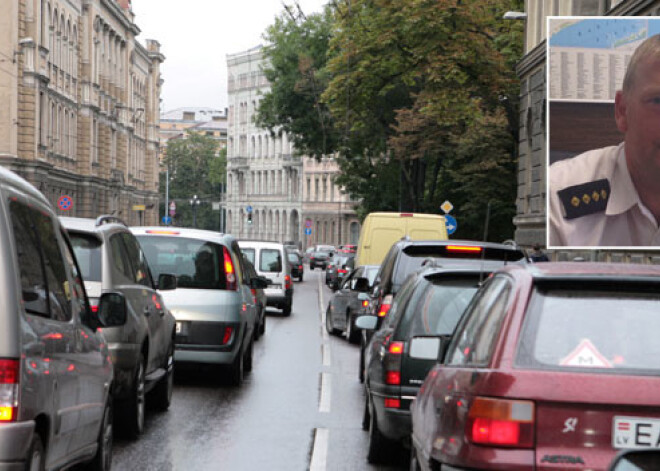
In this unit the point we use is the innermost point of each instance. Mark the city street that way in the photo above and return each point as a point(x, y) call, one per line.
point(300, 408)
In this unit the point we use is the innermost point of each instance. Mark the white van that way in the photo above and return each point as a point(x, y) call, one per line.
point(270, 261)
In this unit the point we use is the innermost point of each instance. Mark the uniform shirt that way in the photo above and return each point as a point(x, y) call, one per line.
point(593, 202)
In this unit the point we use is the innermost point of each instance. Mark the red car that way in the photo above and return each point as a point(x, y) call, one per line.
point(553, 366)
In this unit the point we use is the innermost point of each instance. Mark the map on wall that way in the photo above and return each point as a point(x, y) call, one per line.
point(587, 58)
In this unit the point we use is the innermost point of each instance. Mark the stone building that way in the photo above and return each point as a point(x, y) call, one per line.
point(289, 197)
point(530, 220)
point(207, 121)
point(79, 105)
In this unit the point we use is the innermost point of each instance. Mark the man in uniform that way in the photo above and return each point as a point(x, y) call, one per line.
point(611, 196)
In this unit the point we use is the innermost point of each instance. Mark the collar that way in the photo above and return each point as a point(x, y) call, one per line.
point(623, 193)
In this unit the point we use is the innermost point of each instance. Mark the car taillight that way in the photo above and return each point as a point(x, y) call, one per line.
point(287, 282)
point(463, 249)
point(392, 403)
point(229, 331)
point(300, 267)
point(501, 422)
point(9, 375)
point(341, 271)
point(365, 303)
point(229, 270)
point(393, 363)
point(385, 306)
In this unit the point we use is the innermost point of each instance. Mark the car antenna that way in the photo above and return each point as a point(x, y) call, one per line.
point(483, 252)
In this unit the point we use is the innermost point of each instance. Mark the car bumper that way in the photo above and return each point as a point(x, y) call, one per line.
point(15, 440)
point(395, 424)
point(124, 359)
point(279, 299)
point(188, 355)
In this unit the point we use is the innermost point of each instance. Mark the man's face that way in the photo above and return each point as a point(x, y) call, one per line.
point(638, 117)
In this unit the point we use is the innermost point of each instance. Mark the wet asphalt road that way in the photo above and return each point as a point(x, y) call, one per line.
point(300, 408)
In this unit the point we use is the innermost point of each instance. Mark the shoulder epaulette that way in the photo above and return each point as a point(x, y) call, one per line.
point(584, 199)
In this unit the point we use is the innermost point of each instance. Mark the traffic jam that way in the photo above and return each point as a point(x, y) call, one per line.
point(464, 354)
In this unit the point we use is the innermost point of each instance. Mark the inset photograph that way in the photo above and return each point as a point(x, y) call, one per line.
point(603, 178)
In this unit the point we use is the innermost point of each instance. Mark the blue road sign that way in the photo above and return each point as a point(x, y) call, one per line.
point(249, 209)
point(167, 220)
point(451, 223)
point(308, 231)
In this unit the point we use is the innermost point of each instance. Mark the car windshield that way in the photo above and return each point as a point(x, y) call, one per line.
point(88, 253)
point(196, 263)
point(600, 330)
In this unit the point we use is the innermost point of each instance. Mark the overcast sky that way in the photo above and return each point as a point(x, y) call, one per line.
point(196, 36)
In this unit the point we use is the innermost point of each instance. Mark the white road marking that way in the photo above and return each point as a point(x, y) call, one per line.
point(326, 354)
point(324, 332)
point(326, 389)
point(320, 450)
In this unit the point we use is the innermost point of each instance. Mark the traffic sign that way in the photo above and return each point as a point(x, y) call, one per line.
point(308, 231)
point(447, 206)
point(167, 220)
point(308, 223)
point(172, 208)
point(451, 223)
point(139, 207)
point(249, 209)
point(65, 203)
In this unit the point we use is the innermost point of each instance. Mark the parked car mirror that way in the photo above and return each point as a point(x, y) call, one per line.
point(429, 348)
point(360, 284)
point(166, 282)
point(112, 310)
point(259, 282)
point(366, 322)
point(636, 460)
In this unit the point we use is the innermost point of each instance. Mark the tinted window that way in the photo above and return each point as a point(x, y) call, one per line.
point(120, 263)
point(88, 253)
point(270, 260)
point(196, 263)
point(249, 254)
point(293, 258)
point(602, 330)
point(475, 338)
point(401, 301)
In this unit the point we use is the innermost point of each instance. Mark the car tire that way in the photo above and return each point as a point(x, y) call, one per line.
point(361, 369)
point(237, 370)
point(352, 333)
point(300, 279)
point(36, 456)
point(329, 327)
point(378, 443)
point(365, 414)
point(135, 410)
point(102, 461)
point(162, 393)
point(262, 327)
point(248, 357)
point(286, 310)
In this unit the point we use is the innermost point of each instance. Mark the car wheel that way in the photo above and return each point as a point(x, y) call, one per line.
point(352, 334)
point(286, 310)
point(163, 392)
point(237, 370)
point(361, 369)
point(365, 414)
point(378, 444)
point(328, 323)
point(248, 357)
point(134, 413)
point(262, 327)
point(102, 461)
point(300, 279)
point(37, 459)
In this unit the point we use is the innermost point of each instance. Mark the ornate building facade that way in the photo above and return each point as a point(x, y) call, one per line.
point(79, 105)
point(273, 193)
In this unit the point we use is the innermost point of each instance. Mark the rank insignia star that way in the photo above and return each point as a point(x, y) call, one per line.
point(584, 199)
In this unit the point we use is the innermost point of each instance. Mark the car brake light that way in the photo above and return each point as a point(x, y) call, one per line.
point(95, 309)
point(501, 422)
point(300, 267)
point(396, 348)
point(393, 363)
point(365, 303)
point(229, 270)
point(152, 231)
point(342, 271)
point(287, 282)
point(9, 376)
point(463, 249)
point(385, 306)
point(392, 403)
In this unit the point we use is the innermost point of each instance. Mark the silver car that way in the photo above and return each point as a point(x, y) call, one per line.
point(215, 311)
point(55, 368)
point(142, 350)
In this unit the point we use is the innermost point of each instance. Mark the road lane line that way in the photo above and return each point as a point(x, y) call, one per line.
point(326, 354)
point(320, 450)
point(326, 385)
point(324, 332)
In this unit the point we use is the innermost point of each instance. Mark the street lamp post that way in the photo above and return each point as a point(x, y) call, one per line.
point(194, 202)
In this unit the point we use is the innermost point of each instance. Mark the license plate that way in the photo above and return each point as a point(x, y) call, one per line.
point(635, 433)
point(275, 286)
point(178, 327)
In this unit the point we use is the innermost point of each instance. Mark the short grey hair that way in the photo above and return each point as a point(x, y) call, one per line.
point(650, 48)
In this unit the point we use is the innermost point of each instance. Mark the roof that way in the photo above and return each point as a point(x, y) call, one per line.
point(202, 114)
point(211, 125)
point(594, 270)
point(192, 233)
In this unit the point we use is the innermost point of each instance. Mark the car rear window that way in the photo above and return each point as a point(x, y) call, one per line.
point(440, 306)
point(196, 263)
point(293, 258)
point(601, 330)
point(320, 255)
point(370, 273)
point(88, 253)
point(270, 260)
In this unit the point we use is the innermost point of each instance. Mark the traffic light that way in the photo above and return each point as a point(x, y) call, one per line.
point(249, 218)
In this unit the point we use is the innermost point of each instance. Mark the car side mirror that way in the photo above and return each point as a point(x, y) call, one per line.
point(429, 348)
point(166, 282)
point(361, 285)
point(366, 322)
point(259, 282)
point(640, 460)
point(112, 310)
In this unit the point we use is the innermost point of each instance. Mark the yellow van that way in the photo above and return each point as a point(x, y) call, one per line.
point(381, 230)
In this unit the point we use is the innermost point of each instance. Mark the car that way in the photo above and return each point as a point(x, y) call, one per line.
point(142, 349)
point(259, 297)
point(552, 366)
point(296, 264)
point(270, 261)
point(56, 373)
point(308, 253)
point(319, 260)
point(350, 302)
point(430, 303)
point(406, 256)
point(342, 264)
point(347, 248)
point(215, 311)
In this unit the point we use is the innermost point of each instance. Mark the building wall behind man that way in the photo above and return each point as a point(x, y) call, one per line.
point(86, 96)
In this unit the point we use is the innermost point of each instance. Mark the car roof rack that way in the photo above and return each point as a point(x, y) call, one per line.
point(107, 219)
